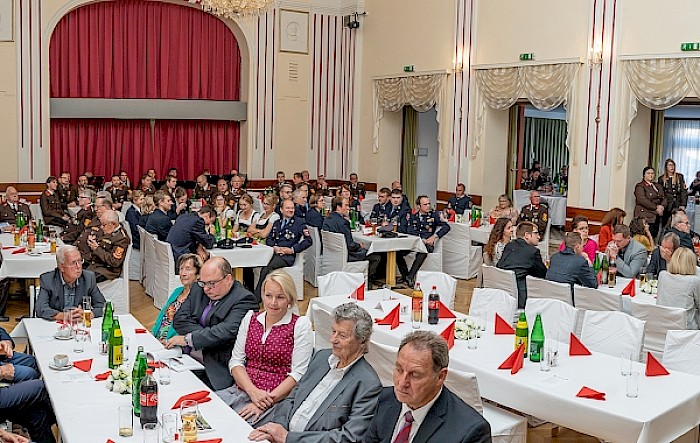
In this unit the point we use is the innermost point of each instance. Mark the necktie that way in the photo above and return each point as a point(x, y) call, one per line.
point(284, 224)
point(405, 431)
point(202, 321)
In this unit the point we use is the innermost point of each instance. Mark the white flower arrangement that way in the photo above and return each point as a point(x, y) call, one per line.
point(464, 327)
point(649, 287)
point(119, 380)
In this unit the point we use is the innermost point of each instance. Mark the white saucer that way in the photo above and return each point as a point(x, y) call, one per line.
point(60, 337)
point(34, 254)
point(61, 368)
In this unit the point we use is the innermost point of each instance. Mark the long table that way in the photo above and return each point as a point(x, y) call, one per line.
point(24, 265)
point(667, 407)
point(239, 258)
point(640, 297)
point(87, 412)
point(404, 242)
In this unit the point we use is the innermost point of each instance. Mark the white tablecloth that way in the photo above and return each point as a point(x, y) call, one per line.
point(87, 412)
point(24, 265)
point(258, 255)
point(378, 244)
point(667, 407)
point(640, 297)
point(481, 234)
point(556, 204)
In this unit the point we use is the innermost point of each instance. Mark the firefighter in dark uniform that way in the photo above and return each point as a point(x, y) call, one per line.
point(289, 236)
point(460, 202)
point(355, 186)
point(12, 207)
point(51, 207)
point(118, 192)
point(104, 248)
point(203, 189)
point(536, 212)
point(84, 219)
point(67, 193)
point(426, 224)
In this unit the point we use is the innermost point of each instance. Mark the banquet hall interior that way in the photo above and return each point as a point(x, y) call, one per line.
point(428, 93)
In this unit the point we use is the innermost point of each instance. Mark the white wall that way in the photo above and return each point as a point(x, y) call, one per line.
point(427, 166)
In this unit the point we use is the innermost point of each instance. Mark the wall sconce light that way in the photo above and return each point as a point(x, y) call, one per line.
point(596, 58)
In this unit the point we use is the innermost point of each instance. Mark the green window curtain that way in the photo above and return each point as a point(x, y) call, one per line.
point(657, 141)
point(408, 152)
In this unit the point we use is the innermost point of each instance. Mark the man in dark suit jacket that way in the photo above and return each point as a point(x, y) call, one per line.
point(523, 257)
point(418, 408)
point(159, 222)
point(67, 286)
point(189, 234)
point(680, 225)
point(572, 265)
point(209, 318)
point(662, 254)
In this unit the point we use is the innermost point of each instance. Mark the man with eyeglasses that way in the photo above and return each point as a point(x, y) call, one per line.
point(104, 248)
point(67, 286)
point(209, 318)
point(536, 212)
point(628, 253)
point(51, 207)
point(67, 193)
point(522, 257)
point(87, 219)
point(680, 225)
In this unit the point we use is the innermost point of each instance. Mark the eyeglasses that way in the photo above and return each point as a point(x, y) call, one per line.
point(536, 233)
point(209, 284)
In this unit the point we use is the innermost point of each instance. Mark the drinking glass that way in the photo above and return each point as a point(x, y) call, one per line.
point(625, 363)
point(168, 426)
point(150, 433)
point(188, 415)
point(81, 336)
point(126, 421)
point(125, 348)
point(632, 380)
point(164, 373)
point(473, 339)
point(642, 275)
point(373, 222)
point(546, 359)
point(553, 345)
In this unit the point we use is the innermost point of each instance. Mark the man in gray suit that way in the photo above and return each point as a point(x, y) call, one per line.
point(628, 253)
point(209, 318)
point(67, 286)
point(418, 408)
point(336, 398)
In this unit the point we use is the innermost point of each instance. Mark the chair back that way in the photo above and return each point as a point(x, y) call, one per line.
point(445, 285)
point(125, 207)
point(500, 279)
point(339, 283)
point(612, 333)
point(682, 351)
point(559, 319)
point(541, 288)
point(296, 271)
point(491, 302)
point(117, 290)
point(35, 209)
point(335, 252)
point(543, 245)
point(592, 299)
point(165, 279)
point(383, 359)
point(465, 386)
point(322, 320)
point(312, 258)
point(659, 320)
point(148, 257)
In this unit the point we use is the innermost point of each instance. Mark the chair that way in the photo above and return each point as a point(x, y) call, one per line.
point(559, 319)
point(165, 280)
point(682, 351)
point(492, 301)
point(135, 262)
point(541, 288)
point(312, 258)
point(296, 271)
point(322, 320)
point(117, 290)
point(383, 359)
point(35, 209)
point(613, 333)
point(148, 256)
point(659, 320)
point(460, 259)
point(500, 279)
point(596, 300)
point(339, 283)
point(433, 262)
point(125, 207)
point(445, 285)
point(543, 245)
point(335, 255)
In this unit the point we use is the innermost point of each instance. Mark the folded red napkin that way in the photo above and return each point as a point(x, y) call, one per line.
point(654, 367)
point(20, 251)
point(103, 376)
point(587, 392)
point(514, 362)
point(629, 289)
point(83, 365)
point(211, 440)
point(502, 326)
point(199, 396)
point(140, 330)
point(109, 440)
point(444, 311)
point(391, 319)
point(449, 335)
point(9, 247)
point(156, 364)
point(576, 347)
point(359, 293)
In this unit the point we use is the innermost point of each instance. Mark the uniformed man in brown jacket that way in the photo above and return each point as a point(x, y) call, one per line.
point(12, 206)
point(104, 248)
point(535, 212)
point(51, 207)
point(67, 193)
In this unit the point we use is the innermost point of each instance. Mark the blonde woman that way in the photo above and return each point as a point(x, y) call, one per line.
point(679, 286)
point(268, 218)
point(504, 208)
point(246, 216)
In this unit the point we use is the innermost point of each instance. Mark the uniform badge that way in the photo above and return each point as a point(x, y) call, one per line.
point(87, 222)
point(544, 217)
point(118, 253)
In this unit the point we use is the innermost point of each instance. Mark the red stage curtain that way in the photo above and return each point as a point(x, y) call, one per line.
point(103, 147)
point(194, 145)
point(143, 49)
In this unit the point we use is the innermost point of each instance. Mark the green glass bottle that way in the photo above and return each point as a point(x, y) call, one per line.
point(106, 327)
point(39, 231)
point(521, 331)
point(537, 340)
point(229, 228)
point(115, 355)
point(137, 373)
point(596, 264)
point(217, 229)
point(604, 267)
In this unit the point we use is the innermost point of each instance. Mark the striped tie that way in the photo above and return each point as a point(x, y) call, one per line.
point(405, 431)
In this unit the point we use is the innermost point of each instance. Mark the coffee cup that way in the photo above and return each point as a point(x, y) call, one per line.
point(60, 360)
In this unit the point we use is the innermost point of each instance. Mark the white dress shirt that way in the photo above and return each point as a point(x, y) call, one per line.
point(303, 342)
point(418, 417)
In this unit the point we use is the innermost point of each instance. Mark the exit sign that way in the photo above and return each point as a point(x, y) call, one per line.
point(690, 46)
point(408, 68)
point(527, 56)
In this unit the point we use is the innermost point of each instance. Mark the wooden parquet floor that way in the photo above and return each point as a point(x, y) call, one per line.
point(142, 308)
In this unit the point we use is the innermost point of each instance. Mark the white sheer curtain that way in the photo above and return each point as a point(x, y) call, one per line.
point(682, 144)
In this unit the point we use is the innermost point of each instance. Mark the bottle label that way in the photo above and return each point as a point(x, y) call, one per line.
point(149, 399)
point(433, 304)
point(520, 340)
point(117, 355)
point(417, 304)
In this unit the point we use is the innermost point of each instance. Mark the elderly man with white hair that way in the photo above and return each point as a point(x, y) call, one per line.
point(67, 286)
point(12, 206)
point(104, 248)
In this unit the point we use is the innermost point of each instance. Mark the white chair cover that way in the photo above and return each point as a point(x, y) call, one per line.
point(445, 285)
point(296, 271)
point(541, 288)
point(335, 255)
point(125, 207)
point(558, 318)
point(433, 262)
point(312, 258)
point(35, 209)
point(339, 283)
point(383, 359)
point(165, 279)
point(543, 245)
point(595, 300)
point(659, 320)
point(612, 332)
point(135, 261)
point(148, 257)
point(117, 290)
point(500, 279)
point(491, 301)
point(459, 258)
point(322, 328)
point(682, 351)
